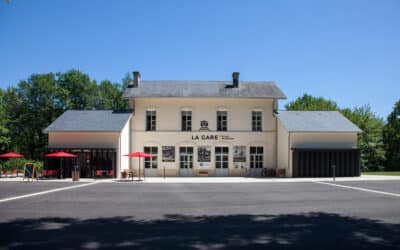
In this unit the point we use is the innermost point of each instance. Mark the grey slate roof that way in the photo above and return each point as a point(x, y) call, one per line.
point(89, 120)
point(204, 89)
point(316, 121)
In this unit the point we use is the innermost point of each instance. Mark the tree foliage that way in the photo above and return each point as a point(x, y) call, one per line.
point(309, 102)
point(36, 102)
point(370, 140)
point(391, 138)
point(5, 139)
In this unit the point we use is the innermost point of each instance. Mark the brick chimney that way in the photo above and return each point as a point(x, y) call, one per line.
point(136, 80)
point(235, 80)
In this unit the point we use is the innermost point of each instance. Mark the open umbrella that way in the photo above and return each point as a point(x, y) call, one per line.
point(140, 155)
point(11, 155)
point(61, 155)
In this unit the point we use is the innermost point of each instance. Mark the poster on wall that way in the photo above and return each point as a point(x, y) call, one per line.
point(204, 156)
point(168, 153)
point(239, 154)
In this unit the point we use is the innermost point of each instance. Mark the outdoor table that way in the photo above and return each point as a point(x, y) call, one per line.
point(130, 175)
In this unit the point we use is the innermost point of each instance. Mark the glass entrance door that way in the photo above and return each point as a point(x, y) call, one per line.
point(256, 160)
point(221, 161)
point(186, 161)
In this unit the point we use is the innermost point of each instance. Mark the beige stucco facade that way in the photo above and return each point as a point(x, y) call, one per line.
point(315, 140)
point(119, 141)
point(168, 131)
point(274, 140)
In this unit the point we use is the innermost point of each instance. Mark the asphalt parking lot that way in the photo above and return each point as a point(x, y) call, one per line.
point(201, 216)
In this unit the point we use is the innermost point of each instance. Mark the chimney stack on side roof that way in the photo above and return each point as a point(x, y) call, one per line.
point(235, 80)
point(136, 80)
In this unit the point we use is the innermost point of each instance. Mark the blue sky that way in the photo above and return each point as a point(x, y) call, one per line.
point(348, 51)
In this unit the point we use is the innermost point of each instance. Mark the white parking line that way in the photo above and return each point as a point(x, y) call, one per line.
point(45, 192)
point(358, 188)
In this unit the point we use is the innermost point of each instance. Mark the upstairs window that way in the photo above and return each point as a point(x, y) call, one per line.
point(222, 120)
point(151, 120)
point(256, 123)
point(186, 120)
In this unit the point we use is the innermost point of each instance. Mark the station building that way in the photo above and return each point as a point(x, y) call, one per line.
point(206, 128)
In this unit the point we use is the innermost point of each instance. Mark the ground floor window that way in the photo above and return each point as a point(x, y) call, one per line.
point(186, 157)
point(221, 157)
point(151, 162)
point(90, 162)
point(256, 157)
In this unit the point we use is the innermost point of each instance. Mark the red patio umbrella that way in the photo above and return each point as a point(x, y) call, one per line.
point(61, 155)
point(140, 155)
point(11, 155)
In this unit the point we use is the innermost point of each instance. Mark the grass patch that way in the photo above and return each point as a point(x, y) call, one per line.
point(387, 173)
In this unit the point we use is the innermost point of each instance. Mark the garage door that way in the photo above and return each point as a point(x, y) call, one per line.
point(318, 162)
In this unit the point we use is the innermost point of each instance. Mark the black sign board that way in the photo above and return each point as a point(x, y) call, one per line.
point(30, 172)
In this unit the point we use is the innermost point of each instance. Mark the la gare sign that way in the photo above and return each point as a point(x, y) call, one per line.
point(205, 137)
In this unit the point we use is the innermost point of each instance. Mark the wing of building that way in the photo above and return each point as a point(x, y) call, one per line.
point(207, 128)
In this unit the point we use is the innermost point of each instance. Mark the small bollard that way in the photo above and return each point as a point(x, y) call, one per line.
point(164, 172)
point(333, 172)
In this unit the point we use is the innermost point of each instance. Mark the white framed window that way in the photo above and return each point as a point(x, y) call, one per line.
point(256, 157)
point(256, 120)
point(221, 157)
point(151, 162)
point(222, 120)
point(186, 120)
point(151, 120)
point(186, 157)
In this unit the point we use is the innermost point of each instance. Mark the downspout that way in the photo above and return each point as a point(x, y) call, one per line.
point(276, 134)
point(289, 165)
point(119, 160)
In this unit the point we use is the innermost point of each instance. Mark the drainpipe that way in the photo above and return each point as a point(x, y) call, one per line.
point(275, 108)
point(289, 165)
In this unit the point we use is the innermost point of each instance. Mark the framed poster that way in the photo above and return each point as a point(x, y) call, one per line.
point(204, 156)
point(239, 154)
point(168, 153)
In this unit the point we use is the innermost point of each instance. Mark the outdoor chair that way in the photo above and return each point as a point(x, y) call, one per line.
point(49, 173)
point(99, 173)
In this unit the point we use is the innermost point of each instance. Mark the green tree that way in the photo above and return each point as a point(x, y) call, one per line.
point(76, 90)
point(30, 108)
point(110, 96)
point(5, 139)
point(391, 137)
point(370, 140)
point(309, 102)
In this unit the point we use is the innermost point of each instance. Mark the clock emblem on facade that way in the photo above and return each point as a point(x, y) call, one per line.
point(204, 125)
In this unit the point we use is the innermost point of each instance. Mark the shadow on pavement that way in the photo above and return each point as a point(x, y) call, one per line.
point(298, 231)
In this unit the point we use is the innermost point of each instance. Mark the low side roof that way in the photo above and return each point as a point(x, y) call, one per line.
point(316, 121)
point(89, 121)
point(204, 89)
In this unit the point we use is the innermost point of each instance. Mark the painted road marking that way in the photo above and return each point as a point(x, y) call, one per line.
point(46, 192)
point(358, 188)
